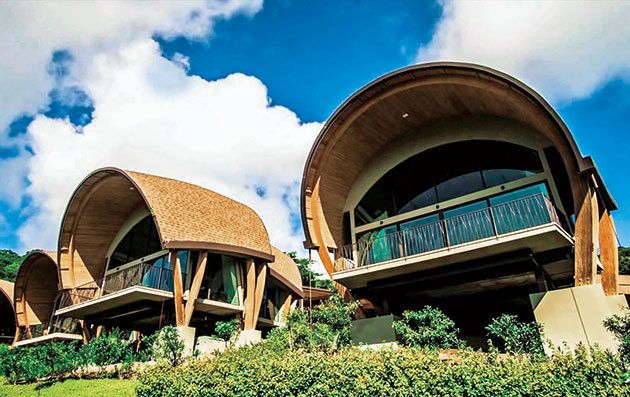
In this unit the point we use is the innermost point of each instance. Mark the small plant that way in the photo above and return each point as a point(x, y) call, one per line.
point(517, 337)
point(168, 346)
point(619, 325)
point(428, 327)
point(227, 330)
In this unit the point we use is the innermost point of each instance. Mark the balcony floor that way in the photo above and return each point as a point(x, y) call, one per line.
point(537, 239)
point(55, 336)
point(128, 296)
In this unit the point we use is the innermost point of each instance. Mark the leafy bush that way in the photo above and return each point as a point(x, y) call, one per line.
point(109, 348)
point(227, 330)
point(168, 346)
point(261, 371)
point(619, 325)
point(325, 328)
point(23, 364)
point(515, 336)
point(429, 328)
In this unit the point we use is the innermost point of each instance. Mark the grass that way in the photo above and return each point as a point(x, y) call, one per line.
point(71, 387)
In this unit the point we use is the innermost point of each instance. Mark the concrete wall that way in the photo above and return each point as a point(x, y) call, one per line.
point(575, 316)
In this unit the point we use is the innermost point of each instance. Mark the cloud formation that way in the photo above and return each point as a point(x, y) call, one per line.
point(152, 117)
point(566, 50)
point(149, 114)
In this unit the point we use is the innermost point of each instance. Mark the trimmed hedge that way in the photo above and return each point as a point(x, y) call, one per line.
point(262, 370)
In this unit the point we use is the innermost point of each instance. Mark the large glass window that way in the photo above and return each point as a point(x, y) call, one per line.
point(140, 241)
point(444, 173)
point(220, 281)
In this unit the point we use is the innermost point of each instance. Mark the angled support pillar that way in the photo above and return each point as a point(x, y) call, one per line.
point(609, 253)
point(195, 287)
point(586, 237)
point(256, 276)
point(178, 289)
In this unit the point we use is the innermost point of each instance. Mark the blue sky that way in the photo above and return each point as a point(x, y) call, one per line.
point(305, 57)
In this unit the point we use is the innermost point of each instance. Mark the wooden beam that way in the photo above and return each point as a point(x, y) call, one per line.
point(250, 291)
point(195, 286)
point(85, 332)
point(178, 289)
point(18, 332)
point(286, 308)
point(261, 277)
point(609, 254)
point(586, 238)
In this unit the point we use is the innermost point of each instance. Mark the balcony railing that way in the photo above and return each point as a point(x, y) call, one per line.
point(143, 274)
point(488, 222)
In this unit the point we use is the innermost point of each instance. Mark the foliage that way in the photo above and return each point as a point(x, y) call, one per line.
point(227, 330)
point(429, 328)
point(9, 264)
point(624, 260)
point(324, 328)
point(168, 346)
point(52, 360)
point(72, 388)
point(619, 325)
point(309, 276)
point(516, 337)
point(260, 370)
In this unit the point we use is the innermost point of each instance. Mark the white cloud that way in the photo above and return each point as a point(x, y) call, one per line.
point(31, 31)
point(566, 50)
point(151, 117)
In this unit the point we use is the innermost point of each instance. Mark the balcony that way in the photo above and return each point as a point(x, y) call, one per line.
point(527, 223)
point(143, 282)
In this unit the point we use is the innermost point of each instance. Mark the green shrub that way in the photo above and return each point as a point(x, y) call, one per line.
point(145, 352)
point(109, 348)
point(325, 328)
point(619, 325)
point(429, 328)
point(24, 364)
point(515, 336)
point(168, 346)
point(261, 371)
point(227, 330)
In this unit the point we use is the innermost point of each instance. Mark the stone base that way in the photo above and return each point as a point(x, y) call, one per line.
point(187, 335)
point(248, 337)
point(207, 346)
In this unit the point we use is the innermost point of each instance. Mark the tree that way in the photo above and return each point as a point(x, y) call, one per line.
point(309, 276)
point(624, 260)
point(9, 264)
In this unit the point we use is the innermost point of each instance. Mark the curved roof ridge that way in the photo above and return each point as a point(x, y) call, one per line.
point(285, 270)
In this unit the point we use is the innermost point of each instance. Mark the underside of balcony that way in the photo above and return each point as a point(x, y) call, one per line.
point(539, 239)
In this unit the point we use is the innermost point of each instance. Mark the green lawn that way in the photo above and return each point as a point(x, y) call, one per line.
point(72, 387)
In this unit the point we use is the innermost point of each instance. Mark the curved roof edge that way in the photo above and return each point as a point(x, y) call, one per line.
point(584, 164)
point(285, 270)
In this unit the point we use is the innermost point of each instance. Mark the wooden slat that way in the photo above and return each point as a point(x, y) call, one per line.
point(286, 307)
point(178, 289)
point(196, 286)
point(609, 254)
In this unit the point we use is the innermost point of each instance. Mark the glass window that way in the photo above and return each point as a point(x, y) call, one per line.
point(444, 173)
point(220, 281)
point(140, 241)
point(379, 245)
point(468, 223)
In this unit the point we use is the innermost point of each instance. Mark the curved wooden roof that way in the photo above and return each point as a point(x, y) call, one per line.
point(186, 216)
point(36, 288)
point(284, 269)
point(404, 100)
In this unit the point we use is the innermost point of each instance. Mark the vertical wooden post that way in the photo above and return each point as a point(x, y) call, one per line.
point(99, 331)
point(286, 308)
point(195, 286)
point(609, 253)
point(18, 332)
point(85, 331)
point(586, 238)
point(261, 277)
point(250, 291)
point(178, 289)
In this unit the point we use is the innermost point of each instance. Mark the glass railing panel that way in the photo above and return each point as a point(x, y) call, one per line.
point(424, 238)
point(521, 214)
point(468, 227)
point(385, 246)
